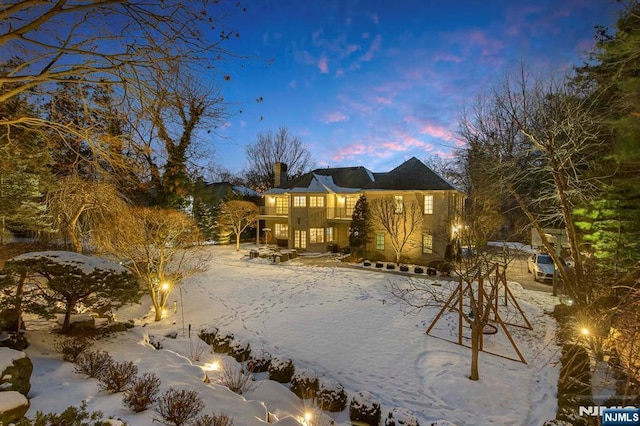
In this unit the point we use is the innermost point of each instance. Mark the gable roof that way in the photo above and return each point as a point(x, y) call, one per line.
point(413, 174)
point(337, 179)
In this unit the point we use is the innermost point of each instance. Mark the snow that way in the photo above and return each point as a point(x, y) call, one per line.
point(8, 356)
point(87, 264)
point(338, 323)
point(11, 399)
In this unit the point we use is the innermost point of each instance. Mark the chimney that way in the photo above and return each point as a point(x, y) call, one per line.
point(280, 174)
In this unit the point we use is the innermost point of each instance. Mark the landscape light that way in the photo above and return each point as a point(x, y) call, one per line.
point(212, 366)
point(584, 331)
point(165, 286)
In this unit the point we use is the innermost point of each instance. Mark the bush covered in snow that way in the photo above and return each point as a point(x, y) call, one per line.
point(117, 376)
point(331, 396)
point(212, 419)
point(178, 407)
point(365, 408)
point(222, 341)
point(259, 361)
point(240, 349)
point(401, 416)
point(281, 369)
point(208, 335)
point(304, 383)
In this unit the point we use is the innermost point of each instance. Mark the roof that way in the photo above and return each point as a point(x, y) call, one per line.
point(411, 175)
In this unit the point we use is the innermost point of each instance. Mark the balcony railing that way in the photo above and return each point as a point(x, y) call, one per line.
point(316, 212)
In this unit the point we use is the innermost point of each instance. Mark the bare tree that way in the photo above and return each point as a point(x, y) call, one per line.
point(237, 215)
point(401, 221)
point(541, 143)
point(159, 248)
point(80, 207)
point(271, 148)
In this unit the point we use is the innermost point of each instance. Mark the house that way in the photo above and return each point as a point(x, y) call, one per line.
point(314, 211)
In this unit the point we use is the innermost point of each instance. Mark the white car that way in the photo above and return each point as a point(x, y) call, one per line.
point(542, 267)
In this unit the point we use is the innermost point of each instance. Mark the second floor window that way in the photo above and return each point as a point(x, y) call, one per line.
point(300, 201)
point(399, 203)
point(428, 204)
point(316, 201)
point(350, 204)
point(281, 205)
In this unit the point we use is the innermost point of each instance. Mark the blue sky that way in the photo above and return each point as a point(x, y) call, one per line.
point(374, 82)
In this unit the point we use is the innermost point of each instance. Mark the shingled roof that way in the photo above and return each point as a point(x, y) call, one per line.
point(413, 174)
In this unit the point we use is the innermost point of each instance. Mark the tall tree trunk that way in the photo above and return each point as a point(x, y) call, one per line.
point(66, 325)
point(475, 349)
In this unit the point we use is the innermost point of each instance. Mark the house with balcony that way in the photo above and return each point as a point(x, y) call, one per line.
point(314, 211)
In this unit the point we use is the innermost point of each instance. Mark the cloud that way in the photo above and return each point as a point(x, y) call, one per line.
point(335, 117)
point(323, 65)
point(293, 84)
point(350, 151)
point(373, 48)
point(380, 100)
point(374, 18)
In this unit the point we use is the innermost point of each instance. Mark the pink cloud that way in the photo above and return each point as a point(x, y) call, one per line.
point(366, 35)
point(323, 64)
point(374, 18)
point(373, 48)
point(335, 117)
point(383, 100)
point(435, 131)
point(447, 57)
point(350, 151)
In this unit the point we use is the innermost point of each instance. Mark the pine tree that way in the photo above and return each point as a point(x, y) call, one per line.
point(360, 229)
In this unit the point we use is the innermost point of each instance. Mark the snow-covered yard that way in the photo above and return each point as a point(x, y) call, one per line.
point(340, 323)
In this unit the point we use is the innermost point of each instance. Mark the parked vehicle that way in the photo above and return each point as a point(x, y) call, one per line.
point(542, 267)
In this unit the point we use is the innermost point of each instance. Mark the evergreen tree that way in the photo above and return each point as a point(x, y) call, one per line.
point(360, 228)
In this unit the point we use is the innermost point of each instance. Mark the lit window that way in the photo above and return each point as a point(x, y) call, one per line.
point(316, 235)
point(428, 204)
point(330, 234)
point(281, 205)
point(350, 204)
point(282, 231)
point(380, 241)
point(427, 243)
point(299, 239)
point(398, 200)
point(300, 201)
point(316, 201)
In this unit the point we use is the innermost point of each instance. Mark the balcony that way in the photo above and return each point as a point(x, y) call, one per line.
point(317, 213)
point(274, 211)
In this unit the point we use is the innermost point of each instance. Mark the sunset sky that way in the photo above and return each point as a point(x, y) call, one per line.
point(375, 82)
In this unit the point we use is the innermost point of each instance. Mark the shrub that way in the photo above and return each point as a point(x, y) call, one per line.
point(214, 420)
point(259, 361)
point(366, 263)
point(281, 370)
point(71, 416)
point(401, 416)
point(379, 264)
point(142, 391)
point(404, 268)
point(198, 349)
point(364, 408)
point(208, 335)
point(72, 347)
point(304, 383)
point(418, 270)
point(93, 363)
point(240, 350)
point(178, 407)
point(575, 373)
point(237, 380)
point(331, 396)
point(222, 341)
point(391, 265)
point(118, 376)
point(155, 342)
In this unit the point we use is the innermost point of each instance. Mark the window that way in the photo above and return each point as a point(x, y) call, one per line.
point(300, 201)
point(281, 205)
point(316, 235)
point(427, 243)
point(299, 239)
point(380, 241)
point(428, 204)
point(350, 204)
point(316, 201)
point(398, 200)
point(282, 231)
point(330, 234)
